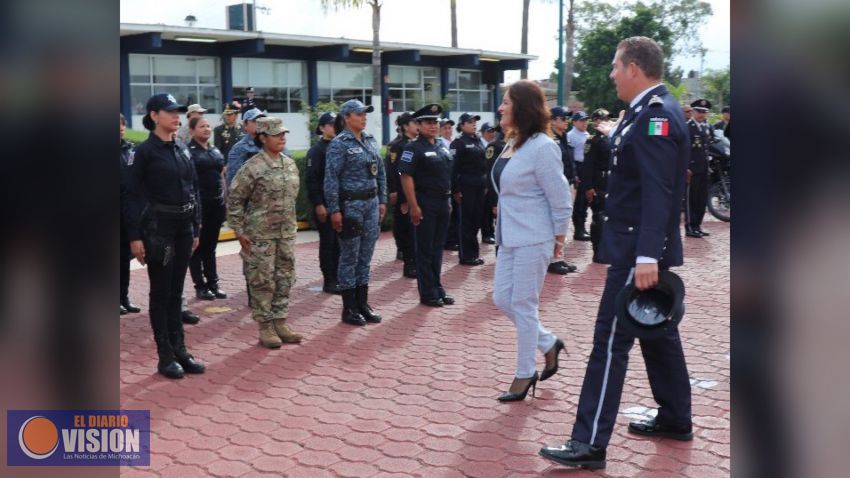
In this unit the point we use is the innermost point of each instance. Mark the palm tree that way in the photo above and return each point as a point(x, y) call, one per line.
point(524, 47)
point(453, 6)
point(376, 40)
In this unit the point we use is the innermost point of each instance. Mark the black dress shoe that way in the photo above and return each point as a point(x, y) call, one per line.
point(597, 259)
point(558, 268)
point(489, 240)
point(473, 262)
point(548, 372)
point(217, 292)
point(575, 454)
point(570, 267)
point(170, 369)
point(122, 310)
point(189, 364)
point(432, 302)
point(130, 307)
point(331, 287)
point(692, 233)
point(581, 236)
point(399, 256)
point(448, 300)
point(409, 271)
point(518, 397)
point(655, 429)
point(189, 318)
point(451, 247)
point(204, 293)
point(703, 233)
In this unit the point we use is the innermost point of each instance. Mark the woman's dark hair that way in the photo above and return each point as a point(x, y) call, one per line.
point(257, 141)
point(147, 122)
point(529, 112)
point(194, 121)
point(122, 119)
point(339, 123)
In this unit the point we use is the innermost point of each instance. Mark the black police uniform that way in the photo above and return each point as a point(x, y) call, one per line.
point(430, 166)
point(163, 212)
point(224, 137)
point(209, 164)
point(645, 186)
point(402, 230)
point(328, 240)
point(698, 186)
point(469, 178)
point(491, 199)
point(125, 257)
point(247, 104)
point(595, 176)
point(567, 157)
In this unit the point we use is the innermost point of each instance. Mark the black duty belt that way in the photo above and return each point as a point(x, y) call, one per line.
point(358, 195)
point(436, 194)
point(184, 209)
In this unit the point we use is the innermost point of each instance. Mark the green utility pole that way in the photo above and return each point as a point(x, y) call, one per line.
point(560, 52)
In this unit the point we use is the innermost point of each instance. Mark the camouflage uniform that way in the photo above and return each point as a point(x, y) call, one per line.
point(355, 184)
point(261, 205)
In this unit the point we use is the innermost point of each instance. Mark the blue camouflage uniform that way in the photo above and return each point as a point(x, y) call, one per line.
point(355, 184)
point(244, 149)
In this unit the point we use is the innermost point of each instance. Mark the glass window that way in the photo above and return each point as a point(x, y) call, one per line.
point(323, 73)
point(173, 69)
point(139, 95)
point(466, 93)
point(295, 74)
point(140, 69)
point(261, 73)
point(207, 71)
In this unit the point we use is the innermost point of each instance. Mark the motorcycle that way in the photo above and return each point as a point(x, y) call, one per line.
point(720, 179)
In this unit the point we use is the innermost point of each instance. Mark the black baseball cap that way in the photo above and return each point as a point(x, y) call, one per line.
point(559, 112)
point(486, 127)
point(468, 117)
point(160, 102)
point(326, 118)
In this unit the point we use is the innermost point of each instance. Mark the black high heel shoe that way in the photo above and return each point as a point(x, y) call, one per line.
point(516, 397)
point(548, 372)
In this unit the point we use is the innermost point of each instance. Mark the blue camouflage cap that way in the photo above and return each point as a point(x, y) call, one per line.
point(355, 106)
point(252, 114)
point(580, 116)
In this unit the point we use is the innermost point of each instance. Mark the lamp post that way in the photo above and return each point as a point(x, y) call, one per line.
point(560, 52)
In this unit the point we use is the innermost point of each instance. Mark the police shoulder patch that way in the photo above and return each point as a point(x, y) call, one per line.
point(393, 156)
point(656, 101)
point(489, 152)
point(407, 156)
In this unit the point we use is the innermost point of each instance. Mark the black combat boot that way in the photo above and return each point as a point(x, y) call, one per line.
point(167, 365)
point(213, 287)
point(409, 269)
point(184, 358)
point(350, 311)
point(363, 305)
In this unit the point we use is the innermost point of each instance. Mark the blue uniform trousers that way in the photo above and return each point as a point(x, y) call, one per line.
point(355, 254)
point(606, 370)
point(469, 217)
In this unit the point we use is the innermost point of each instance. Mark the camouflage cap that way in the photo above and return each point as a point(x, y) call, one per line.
point(355, 106)
point(600, 113)
point(270, 126)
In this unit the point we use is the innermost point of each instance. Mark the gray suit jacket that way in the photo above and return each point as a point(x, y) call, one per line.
point(535, 203)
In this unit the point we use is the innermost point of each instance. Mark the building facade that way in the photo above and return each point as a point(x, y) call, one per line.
point(292, 72)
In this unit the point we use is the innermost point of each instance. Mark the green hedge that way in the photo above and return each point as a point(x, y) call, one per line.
point(303, 207)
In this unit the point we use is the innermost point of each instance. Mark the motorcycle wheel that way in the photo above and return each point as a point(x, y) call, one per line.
point(720, 200)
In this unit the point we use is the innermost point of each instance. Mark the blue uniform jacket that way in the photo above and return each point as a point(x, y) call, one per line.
point(242, 151)
point(649, 159)
point(349, 167)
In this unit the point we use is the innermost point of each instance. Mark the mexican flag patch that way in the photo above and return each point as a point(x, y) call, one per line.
point(659, 127)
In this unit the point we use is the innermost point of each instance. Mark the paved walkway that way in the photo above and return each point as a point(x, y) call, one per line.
point(415, 395)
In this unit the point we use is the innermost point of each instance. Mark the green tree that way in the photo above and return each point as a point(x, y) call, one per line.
point(593, 61)
point(717, 87)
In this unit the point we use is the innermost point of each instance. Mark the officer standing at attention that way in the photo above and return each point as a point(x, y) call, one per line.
point(426, 176)
point(249, 102)
point(163, 222)
point(402, 230)
point(641, 236)
point(229, 132)
point(356, 194)
point(488, 227)
point(469, 185)
point(488, 134)
point(446, 126)
point(698, 170)
point(595, 178)
point(245, 148)
point(558, 124)
point(315, 179)
point(578, 137)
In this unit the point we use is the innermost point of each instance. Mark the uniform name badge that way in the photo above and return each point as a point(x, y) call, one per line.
point(373, 168)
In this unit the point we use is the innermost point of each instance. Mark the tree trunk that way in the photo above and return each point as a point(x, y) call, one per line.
point(569, 62)
point(453, 4)
point(376, 49)
point(524, 47)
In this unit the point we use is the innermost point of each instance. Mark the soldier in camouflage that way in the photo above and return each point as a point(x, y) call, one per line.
point(261, 211)
point(356, 196)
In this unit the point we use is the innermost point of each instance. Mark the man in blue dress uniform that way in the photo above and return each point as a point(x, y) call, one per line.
point(640, 236)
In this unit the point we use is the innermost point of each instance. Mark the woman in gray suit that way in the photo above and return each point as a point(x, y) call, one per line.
point(534, 210)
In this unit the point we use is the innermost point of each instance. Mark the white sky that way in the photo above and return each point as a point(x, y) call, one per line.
point(482, 24)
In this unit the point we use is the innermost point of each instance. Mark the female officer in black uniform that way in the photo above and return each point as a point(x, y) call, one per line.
point(162, 225)
point(469, 185)
point(209, 164)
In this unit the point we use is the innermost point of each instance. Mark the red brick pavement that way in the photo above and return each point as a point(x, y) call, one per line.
point(415, 395)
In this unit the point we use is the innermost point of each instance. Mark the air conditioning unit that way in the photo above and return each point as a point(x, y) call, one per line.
point(241, 17)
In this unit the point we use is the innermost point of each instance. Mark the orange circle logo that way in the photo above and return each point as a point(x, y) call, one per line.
point(38, 437)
